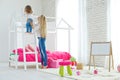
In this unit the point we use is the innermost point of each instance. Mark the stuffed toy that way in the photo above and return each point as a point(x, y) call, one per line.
point(79, 66)
point(73, 61)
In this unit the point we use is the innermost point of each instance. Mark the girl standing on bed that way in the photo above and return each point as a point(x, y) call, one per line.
point(29, 22)
point(41, 39)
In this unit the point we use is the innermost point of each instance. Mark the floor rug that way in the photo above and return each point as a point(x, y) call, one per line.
point(85, 74)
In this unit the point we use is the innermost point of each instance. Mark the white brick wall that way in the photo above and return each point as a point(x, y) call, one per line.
point(97, 20)
point(97, 23)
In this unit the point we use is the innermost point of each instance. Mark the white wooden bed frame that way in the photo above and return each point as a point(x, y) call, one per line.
point(13, 30)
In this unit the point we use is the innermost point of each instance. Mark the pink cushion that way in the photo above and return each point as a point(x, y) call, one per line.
point(27, 49)
point(54, 63)
point(64, 63)
point(30, 48)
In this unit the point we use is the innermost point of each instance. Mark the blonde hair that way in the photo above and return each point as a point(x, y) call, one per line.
point(42, 25)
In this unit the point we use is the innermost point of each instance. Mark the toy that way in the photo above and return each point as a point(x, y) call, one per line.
point(79, 66)
point(73, 68)
point(78, 73)
point(95, 71)
point(118, 68)
point(73, 61)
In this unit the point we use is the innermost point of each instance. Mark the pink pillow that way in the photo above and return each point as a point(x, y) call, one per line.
point(19, 51)
point(27, 49)
point(30, 48)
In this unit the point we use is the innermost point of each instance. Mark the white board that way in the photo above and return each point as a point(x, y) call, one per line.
point(100, 48)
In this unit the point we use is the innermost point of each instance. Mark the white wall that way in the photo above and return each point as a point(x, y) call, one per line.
point(97, 20)
point(97, 23)
point(8, 8)
point(48, 8)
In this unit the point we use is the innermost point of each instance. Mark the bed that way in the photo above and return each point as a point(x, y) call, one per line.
point(53, 57)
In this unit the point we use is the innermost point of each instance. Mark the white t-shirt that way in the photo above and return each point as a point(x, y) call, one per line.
point(36, 30)
point(33, 17)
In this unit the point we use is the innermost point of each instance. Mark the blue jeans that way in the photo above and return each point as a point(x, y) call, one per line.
point(42, 48)
point(28, 27)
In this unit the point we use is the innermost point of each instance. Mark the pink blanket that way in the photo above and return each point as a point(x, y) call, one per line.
point(51, 55)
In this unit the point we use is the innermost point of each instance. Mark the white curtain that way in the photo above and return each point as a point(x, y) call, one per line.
point(73, 11)
point(68, 10)
point(115, 30)
point(83, 40)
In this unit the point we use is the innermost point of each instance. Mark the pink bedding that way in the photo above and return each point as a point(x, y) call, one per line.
point(51, 55)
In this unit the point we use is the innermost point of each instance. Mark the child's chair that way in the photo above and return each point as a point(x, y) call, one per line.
point(61, 69)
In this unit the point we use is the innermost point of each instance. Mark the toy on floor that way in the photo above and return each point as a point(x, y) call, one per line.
point(95, 71)
point(73, 61)
point(79, 66)
point(78, 73)
point(118, 68)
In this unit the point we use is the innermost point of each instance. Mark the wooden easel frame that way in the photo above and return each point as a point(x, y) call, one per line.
point(110, 55)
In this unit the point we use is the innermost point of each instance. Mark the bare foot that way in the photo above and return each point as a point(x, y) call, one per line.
point(44, 67)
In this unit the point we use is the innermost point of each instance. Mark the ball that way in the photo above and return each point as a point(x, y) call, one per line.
point(118, 68)
point(95, 71)
point(78, 73)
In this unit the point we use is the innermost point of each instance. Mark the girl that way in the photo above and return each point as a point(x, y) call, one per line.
point(29, 23)
point(42, 37)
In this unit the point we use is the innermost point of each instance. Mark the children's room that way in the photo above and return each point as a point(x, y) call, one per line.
point(59, 40)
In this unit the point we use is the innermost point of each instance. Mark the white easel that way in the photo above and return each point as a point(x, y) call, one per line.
point(101, 49)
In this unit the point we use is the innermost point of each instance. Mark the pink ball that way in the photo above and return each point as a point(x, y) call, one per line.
point(78, 73)
point(95, 72)
point(118, 68)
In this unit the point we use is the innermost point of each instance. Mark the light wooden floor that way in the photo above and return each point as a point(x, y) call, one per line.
point(9, 73)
